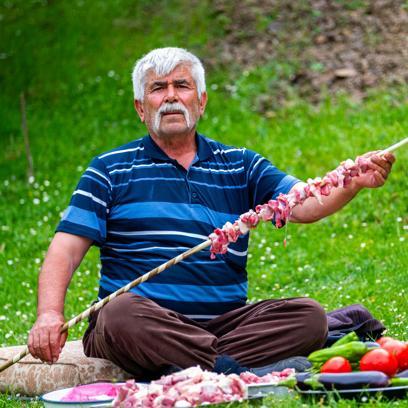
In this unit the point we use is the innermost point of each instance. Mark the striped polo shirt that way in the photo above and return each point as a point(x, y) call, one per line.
point(142, 208)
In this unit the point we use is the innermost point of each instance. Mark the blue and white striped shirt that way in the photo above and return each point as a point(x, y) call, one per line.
point(142, 208)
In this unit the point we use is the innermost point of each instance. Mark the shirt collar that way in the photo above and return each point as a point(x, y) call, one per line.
point(151, 149)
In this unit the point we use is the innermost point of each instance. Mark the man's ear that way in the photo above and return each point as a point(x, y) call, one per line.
point(203, 103)
point(139, 109)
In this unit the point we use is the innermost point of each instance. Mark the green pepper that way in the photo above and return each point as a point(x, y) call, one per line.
point(399, 382)
point(289, 382)
point(346, 339)
point(352, 351)
point(313, 382)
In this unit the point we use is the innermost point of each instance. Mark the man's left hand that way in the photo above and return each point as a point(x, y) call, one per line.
point(379, 169)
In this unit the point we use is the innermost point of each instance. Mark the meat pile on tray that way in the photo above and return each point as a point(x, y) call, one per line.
point(274, 377)
point(192, 387)
point(279, 210)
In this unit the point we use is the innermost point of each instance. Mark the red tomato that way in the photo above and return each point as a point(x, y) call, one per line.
point(403, 359)
point(382, 340)
point(379, 360)
point(336, 365)
point(396, 348)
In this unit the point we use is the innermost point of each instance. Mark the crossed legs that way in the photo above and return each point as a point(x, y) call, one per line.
point(144, 338)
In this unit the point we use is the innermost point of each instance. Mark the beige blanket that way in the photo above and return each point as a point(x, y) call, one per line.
point(31, 377)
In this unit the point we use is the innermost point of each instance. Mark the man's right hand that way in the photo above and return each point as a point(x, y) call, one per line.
point(65, 253)
point(45, 340)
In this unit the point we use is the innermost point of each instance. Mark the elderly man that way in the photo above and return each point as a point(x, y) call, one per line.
point(151, 199)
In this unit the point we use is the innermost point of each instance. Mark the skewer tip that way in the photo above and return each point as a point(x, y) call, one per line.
point(395, 146)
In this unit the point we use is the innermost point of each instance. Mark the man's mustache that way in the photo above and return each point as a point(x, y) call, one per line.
point(172, 108)
point(169, 108)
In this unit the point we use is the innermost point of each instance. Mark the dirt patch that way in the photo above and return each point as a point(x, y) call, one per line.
point(343, 45)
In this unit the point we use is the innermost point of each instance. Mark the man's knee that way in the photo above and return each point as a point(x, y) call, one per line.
point(124, 316)
point(314, 320)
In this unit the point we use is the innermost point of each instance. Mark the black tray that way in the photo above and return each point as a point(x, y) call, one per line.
point(388, 392)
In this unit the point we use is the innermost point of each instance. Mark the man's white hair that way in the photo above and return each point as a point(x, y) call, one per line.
point(163, 61)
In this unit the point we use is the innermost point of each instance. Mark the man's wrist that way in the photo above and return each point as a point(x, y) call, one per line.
point(354, 187)
point(41, 312)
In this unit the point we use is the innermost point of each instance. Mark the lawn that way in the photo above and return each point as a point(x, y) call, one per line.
point(73, 61)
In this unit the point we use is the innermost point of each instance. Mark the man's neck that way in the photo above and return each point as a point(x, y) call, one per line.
point(182, 148)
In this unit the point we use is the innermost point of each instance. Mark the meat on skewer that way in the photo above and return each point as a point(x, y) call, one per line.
point(280, 209)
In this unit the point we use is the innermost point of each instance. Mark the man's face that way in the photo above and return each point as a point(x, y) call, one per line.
point(171, 105)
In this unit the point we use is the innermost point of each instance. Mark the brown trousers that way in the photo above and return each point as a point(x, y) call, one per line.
point(144, 338)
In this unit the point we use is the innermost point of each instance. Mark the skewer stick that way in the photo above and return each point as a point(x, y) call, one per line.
point(104, 301)
point(395, 146)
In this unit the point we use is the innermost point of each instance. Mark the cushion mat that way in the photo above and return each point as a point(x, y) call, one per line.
point(31, 377)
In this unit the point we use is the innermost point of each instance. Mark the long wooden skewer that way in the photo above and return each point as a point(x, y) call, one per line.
point(85, 314)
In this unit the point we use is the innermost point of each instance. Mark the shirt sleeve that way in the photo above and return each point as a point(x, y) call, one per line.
point(87, 212)
point(265, 181)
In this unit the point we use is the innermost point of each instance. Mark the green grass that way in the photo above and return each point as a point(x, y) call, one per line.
point(73, 60)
